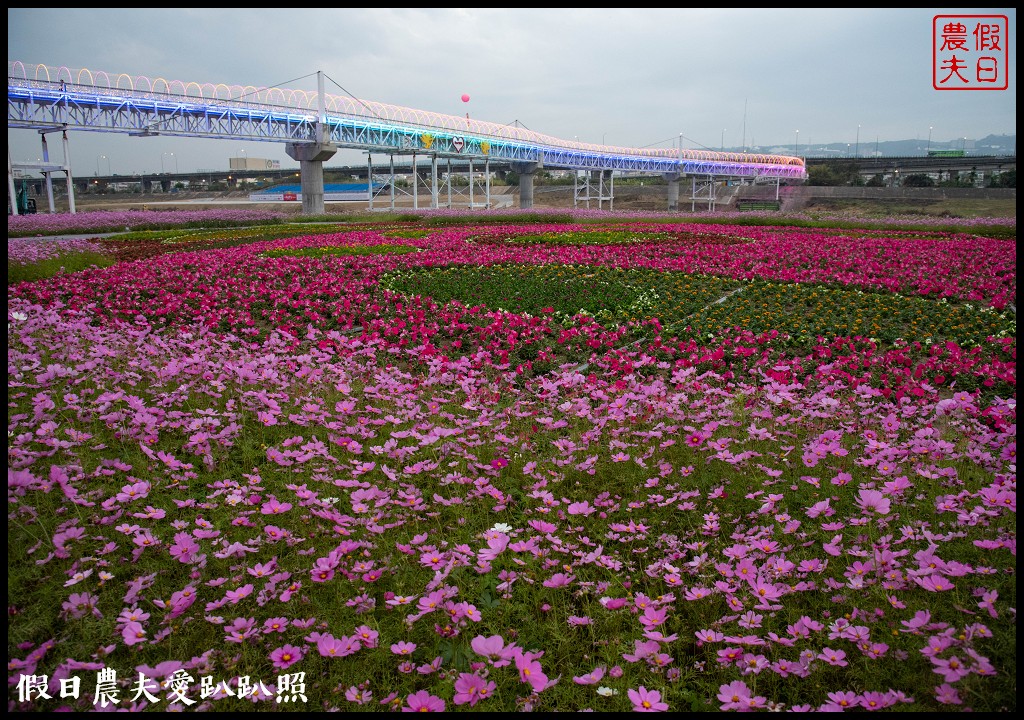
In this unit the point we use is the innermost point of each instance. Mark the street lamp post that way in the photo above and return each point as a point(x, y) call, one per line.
point(797, 149)
point(929, 148)
point(856, 152)
point(723, 139)
point(102, 157)
point(963, 146)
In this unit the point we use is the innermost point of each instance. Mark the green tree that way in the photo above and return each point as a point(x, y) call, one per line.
point(1007, 179)
point(918, 180)
point(834, 172)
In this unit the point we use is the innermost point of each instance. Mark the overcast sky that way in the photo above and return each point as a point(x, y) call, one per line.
point(628, 77)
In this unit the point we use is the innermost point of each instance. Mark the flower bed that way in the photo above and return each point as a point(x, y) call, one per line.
point(746, 476)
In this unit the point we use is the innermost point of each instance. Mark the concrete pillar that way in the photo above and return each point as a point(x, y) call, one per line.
point(526, 172)
point(433, 182)
point(311, 157)
point(673, 191)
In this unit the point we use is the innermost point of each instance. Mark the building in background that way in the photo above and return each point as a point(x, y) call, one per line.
point(252, 163)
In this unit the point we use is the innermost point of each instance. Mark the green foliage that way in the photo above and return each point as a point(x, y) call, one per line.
point(918, 180)
point(1007, 179)
point(69, 263)
point(833, 172)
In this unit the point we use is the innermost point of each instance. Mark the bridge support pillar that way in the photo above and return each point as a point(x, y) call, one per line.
point(433, 182)
point(526, 172)
point(311, 159)
point(673, 191)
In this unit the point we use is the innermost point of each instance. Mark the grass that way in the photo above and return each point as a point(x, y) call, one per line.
point(68, 263)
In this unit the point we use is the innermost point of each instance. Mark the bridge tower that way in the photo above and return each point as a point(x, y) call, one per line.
point(311, 157)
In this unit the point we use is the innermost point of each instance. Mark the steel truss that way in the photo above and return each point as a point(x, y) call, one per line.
point(586, 190)
point(703, 189)
point(48, 99)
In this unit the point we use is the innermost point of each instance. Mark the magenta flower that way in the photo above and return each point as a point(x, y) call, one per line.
point(934, 582)
point(330, 646)
point(951, 669)
point(275, 507)
point(873, 501)
point(645, 700)
point(403, 648)
point(285, 656)
point(947, 694)
point(841, 700)
point(367, 636)
point(278, 625)
point(423, 701)
point(78, 605)
point(470, 688)
point(591, 678)
point(559, 580)
point(133, 633)
point(234, 596)
point(530, 671)
point(494, 649)
point(734, 695)
point(833, 657)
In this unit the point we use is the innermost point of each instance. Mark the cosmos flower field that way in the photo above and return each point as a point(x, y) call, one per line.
point(536, 466)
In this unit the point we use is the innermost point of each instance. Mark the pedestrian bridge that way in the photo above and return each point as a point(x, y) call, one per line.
point(314, 124)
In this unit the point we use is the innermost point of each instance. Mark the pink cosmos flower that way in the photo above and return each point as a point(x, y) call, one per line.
point(558, 580)
point(645, 700)
point(367, 636)
point(841, 700)
point(873, 501)
point(330, 646)
point(275, 507)
point(423, 701)
point(470, 688)
point(78, 605)
point(272, 625)
point(285, 656)
point(234, 596)
point(947, 694)
point(530, 671)
point(494, 649)
point(133, 633)
point(581, 508)
point(833, 657)
point(734, 695)
point(591, 678)
point(951, 669)
point(934, 582)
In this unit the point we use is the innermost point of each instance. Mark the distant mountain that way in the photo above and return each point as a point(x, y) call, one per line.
point(988, 145)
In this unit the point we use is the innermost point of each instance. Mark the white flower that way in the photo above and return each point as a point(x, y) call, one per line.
point(502, 528)
point(605, 691)
point(19, 315)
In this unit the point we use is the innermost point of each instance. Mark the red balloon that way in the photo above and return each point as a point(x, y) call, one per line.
point(465, 98)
